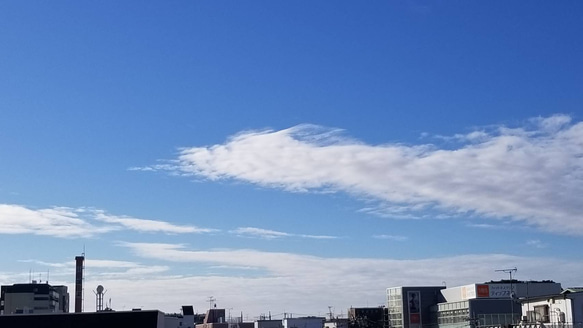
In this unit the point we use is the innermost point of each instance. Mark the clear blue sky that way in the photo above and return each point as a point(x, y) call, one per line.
point(262, 151)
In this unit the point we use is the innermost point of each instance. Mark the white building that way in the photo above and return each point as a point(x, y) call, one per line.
point(336, 323)
point(561, 310)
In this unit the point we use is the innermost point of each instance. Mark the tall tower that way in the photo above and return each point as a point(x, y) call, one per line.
point(79, 266)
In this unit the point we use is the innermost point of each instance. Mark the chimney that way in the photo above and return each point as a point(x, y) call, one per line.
point(79, 265)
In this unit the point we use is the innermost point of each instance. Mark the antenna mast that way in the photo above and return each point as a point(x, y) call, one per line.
point(211, 301)
point(510, 271)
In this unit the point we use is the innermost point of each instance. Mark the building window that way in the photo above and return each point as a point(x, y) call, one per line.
point(541, 313)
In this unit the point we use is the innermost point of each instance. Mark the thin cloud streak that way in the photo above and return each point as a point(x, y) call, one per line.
point(391, 237)
point(532, 174)
point(272, 234)
point(65, 222)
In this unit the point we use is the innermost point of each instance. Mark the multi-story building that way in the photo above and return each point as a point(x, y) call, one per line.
point(409, 307)
point(489, 304)
point(33, 298)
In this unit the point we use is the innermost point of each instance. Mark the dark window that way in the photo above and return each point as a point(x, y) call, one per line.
point(542, 313)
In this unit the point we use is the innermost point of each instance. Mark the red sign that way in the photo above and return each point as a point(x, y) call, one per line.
point(414, 318)
point(483, 290)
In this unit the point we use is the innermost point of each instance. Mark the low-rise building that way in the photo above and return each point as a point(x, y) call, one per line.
point(33, 298)
point(563, 310)
point(304, 322)
point(264, 323)
point(367, 317)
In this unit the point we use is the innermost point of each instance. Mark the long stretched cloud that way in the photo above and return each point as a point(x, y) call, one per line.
point(532, 174)
point(68, 222)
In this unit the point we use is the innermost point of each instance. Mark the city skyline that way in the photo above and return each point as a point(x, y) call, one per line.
point(287, 157)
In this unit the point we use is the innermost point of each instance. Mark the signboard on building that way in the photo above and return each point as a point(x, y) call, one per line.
point(483, 290)
point(414, 305)
point(486, 291)
point(500, 290)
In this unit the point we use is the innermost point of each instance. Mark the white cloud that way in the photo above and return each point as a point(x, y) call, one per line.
point(57, 222)
point(68, 222)
point(391, 237)
point(532, 174)
point(258, 232)
point(283, 280)
point(102, 268)
point(272, 234)
point(143, 225)
point(536, 243)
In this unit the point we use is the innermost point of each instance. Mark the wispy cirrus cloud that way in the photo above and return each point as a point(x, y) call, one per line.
point(536, 243)
point(391, 237)
point(103, 268)
point(532, 173)
point(272, 234)
point(144, 225)
point(65, 222)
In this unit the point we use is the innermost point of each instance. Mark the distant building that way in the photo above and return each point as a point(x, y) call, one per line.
point(33, 298)
point(564, 310)
point(409, 307)
point(491, 304)
point(214, 318)
point(368, 317)
point(337, 323)
point(262, 323)
point(186, 319)
point(304, 322)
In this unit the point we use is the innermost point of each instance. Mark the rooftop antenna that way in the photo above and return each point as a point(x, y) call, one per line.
point(510, 271)
point(212, 301)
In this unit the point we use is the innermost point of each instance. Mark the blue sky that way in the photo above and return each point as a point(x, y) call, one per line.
point(261, 152)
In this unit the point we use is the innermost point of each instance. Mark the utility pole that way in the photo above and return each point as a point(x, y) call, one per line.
point(510, 271)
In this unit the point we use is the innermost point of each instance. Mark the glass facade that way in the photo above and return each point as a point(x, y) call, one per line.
point(453, 314)
point(395, 307)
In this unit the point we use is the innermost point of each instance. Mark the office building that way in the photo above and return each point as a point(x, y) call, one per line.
point(33, 298)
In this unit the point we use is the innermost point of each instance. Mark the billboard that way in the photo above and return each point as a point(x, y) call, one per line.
point(414, 306)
